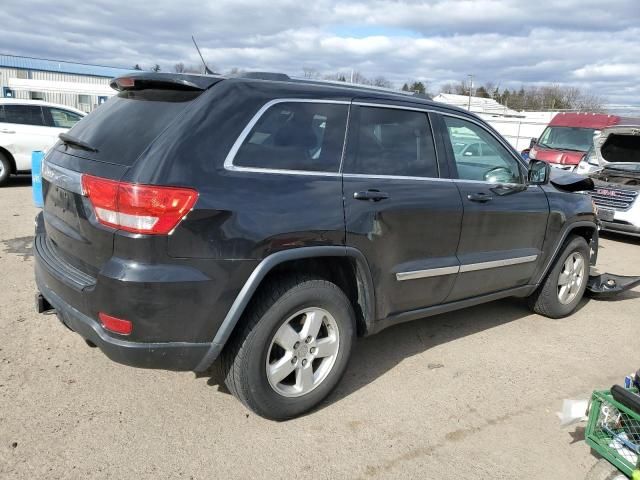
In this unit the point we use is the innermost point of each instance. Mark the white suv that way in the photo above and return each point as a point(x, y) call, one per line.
point(28, 125)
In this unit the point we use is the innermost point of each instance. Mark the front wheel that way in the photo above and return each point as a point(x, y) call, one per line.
point(564, 286)
point(292, 348)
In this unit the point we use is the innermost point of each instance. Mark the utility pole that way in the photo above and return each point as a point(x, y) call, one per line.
point(470, 88)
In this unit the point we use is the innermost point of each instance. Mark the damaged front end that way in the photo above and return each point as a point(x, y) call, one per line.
point(604, 285)
point(607, 285)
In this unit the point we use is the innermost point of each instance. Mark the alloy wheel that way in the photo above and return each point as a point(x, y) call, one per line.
point(571, 278)
point(302, 352)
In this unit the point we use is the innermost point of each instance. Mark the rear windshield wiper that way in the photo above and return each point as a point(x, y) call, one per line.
point(76, 142)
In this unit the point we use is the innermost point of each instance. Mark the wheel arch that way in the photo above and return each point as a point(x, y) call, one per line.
point(585, 229)
point(6, 153)
point(345, 266)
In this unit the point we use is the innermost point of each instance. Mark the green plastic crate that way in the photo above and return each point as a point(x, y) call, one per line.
point(613, 431)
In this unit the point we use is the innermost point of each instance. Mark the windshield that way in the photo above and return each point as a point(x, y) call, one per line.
point(567, 138)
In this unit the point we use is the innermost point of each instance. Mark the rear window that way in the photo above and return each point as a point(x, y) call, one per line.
point(296, 136)
point(125, 125)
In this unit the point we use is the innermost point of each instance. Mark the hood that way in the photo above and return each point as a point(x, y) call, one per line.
point(569, 181)
point(616, 174)
point(562, 157)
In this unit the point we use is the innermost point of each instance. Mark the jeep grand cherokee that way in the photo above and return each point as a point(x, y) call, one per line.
point(268, 222)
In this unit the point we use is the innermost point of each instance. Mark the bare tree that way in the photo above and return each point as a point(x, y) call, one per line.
point(182, 68)
point(381, 81)
point(310, 73)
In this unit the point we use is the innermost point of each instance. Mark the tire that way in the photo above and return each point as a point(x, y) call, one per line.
point(549, 300)
point(5, 169)
point(252, 359)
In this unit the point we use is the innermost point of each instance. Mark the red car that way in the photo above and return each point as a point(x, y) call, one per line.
point(568, 137)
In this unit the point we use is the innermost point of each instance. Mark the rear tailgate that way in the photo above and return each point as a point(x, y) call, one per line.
point(105, 144)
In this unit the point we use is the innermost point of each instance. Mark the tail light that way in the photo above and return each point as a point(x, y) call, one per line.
point(147, 209)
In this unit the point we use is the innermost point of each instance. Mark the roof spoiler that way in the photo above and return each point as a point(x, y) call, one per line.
point(163, 81)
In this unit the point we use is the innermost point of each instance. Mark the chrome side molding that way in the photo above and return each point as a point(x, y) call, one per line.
point(469, 267)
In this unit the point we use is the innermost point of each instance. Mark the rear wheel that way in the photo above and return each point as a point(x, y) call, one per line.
point(5, 169)
point(293, 347)
point(564, 286)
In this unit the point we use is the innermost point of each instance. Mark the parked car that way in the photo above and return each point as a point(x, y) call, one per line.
point(267, 224)
point(568, 137)
point(28, 125)
point(616, 174)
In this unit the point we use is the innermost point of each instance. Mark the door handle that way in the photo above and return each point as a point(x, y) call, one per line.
point(4, 130)
point(371, 195)
point(480, 197)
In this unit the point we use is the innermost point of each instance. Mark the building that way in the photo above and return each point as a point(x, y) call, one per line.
point(517, 127)
point(77, 85)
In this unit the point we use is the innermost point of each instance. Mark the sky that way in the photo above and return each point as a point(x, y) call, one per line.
point(594, 45)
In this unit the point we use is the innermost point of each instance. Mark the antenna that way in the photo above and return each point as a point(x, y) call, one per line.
point(207, 70)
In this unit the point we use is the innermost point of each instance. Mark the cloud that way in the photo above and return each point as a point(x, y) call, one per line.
point(587, 43)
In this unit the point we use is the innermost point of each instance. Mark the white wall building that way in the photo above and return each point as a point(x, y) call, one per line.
point(77, 85)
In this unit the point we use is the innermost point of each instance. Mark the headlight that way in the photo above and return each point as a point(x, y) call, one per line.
point(532, 154)
point(584, 167)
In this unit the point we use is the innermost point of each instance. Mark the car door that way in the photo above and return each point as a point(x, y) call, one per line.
point(24, 131)
point(504, 220)
point(399, 210)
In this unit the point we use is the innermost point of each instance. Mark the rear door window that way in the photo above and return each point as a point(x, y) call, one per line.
point(392, 142)
point(24, 114)
point(306, 136)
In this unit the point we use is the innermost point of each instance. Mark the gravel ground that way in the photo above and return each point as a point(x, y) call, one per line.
point(470, 394)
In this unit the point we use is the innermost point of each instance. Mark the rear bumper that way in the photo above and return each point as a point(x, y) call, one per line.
point(165, 355)
point(176, 309)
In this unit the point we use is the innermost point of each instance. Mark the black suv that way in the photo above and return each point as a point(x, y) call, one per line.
point(266, 222)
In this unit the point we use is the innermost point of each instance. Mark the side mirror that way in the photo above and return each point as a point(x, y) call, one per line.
point(533, 142)
point(539, 172)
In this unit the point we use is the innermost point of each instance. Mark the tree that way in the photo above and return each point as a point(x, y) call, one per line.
point(182, 68)
point(155, 68)
point(137, 67)
point(418, 87)
point(310, 73)
point(381, 81)
point(482, 92)
point(405, 87)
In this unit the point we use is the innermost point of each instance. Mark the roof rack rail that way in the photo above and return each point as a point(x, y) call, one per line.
point(265, 76)
point(362, 86)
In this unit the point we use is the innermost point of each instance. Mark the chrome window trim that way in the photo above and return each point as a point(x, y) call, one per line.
point(62, 177)
point(228, 161)
point(229, 165)
point(473, 267)
point(468, 267)
point(398, 177)
point(430, 272)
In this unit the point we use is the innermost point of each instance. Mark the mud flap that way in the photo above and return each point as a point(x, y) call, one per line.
point(607, 285)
